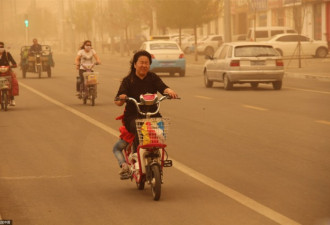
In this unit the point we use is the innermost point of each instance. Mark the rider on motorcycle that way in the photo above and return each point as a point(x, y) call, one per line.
point(139, 81)
point(35, 47)
point(5, 60)
point(84, 56)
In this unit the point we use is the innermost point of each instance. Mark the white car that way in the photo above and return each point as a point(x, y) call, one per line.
point(244, 62)
point(209, 44)
point(167, 57)
point(187, 44)
point(287, 45)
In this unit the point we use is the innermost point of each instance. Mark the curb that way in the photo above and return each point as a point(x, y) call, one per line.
point(307, 76)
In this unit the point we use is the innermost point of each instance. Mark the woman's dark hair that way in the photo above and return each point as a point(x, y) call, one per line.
point(85, 42)
point(136, 57)
point(2, 44)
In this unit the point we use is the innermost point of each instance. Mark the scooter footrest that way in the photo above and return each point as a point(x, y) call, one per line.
point(168, 163)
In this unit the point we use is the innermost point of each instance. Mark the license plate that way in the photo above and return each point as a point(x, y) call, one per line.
point(258, 63)
point(166, 64)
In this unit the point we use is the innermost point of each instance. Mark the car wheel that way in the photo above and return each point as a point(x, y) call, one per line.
point(207, 82)
point(321, 52)
point(254, 85)
point(277, 85)
point(209, 51)
point(279, 51)
point(227, 84)
point(182, 73)
point(172, 74)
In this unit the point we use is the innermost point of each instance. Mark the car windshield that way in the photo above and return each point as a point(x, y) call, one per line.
point(157, 46)
point(255, 51)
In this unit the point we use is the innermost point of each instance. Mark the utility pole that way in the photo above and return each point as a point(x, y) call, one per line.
point(154, 22)
point(61, 30)
point(227, 21)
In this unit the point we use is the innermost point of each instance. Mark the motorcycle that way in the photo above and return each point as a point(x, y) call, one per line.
point(147, 164)
point(36, 61)
point(5, 87)
point(37, 64)
point(88, 89)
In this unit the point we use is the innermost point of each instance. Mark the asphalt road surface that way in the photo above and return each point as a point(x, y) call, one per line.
point(252, 157)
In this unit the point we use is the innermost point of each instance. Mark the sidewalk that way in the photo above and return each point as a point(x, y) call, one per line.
point(314, 68)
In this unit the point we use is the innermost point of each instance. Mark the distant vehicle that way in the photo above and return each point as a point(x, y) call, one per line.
point(37, 62)
point(167, 57)
point(209, 44)
point(187, 44)
point(244, 62)
point(172, 37)
point(239, 37)
point(265, 33)
point(287, 45)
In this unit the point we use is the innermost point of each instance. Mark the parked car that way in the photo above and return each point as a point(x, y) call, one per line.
point(167, 57)
point(244, 62)
point(187, 44)
point(172, 37)
point(239, 37)
point(287, 45)
point(209, 44)
point(266, 33)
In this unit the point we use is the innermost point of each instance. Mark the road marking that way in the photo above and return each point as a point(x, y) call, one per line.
point(34, 177)
point(323, 122)
point(203, 97)
point(238, 197)
point(254, 107)
point(309, 90)
point(76, 112)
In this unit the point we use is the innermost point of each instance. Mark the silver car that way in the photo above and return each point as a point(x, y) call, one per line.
point(244, 62)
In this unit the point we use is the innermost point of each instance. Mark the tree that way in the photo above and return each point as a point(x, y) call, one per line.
point(82, 17)
point(187, 14)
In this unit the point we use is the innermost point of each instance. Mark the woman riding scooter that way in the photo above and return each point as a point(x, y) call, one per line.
point(5, 60)
point(85, 55)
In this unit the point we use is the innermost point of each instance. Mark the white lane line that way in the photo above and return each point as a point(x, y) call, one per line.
point(242, 199)
point(255, 107)
point(34, 177)
point(308, 90)
point(323, 122)
point(76, 112)
point(203, 97)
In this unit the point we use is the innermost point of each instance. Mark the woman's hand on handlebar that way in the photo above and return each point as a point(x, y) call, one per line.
point(120, 100)
point(170, 93)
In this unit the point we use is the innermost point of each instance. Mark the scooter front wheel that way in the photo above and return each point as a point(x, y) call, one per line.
point(140, 185)
point(155, 181)
point(39, 70)
point(4, 100)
